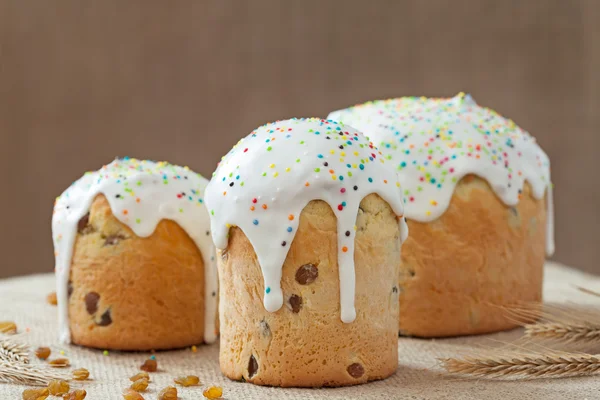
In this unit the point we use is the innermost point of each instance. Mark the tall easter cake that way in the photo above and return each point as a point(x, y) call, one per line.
point(478, 202)
point(135, 265)
point(309, 225)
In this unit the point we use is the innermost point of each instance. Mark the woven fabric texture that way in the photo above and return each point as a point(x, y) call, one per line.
point(419, 376)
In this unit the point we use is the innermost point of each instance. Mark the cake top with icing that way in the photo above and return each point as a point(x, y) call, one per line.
point(434, 142)
point(138, 191)
point(311, 158)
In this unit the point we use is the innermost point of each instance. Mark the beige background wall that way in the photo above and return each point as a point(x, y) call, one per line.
point(84, 81)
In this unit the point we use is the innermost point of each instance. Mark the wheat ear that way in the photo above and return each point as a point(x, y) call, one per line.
point(26, 374)
point(524, 365)
point(566, 324)
point(564, 332)
point(11, 350)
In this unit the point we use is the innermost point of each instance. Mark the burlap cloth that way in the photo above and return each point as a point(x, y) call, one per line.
point(23, 300)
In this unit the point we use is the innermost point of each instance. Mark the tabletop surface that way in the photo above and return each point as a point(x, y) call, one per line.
point(23, 301)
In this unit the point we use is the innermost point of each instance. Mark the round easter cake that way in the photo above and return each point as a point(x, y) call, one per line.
point(309, 224)
point(478, 200)
point(135, 264)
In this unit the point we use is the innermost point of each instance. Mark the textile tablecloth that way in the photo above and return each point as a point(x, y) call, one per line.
point(23, 301)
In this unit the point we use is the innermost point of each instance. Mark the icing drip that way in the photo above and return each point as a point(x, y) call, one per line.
point(263, 184)
point(140, 194)
point(434, 142)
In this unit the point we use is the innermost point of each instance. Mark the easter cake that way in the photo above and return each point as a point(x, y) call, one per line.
point(135, 265)
point(478, 200)
point(308, 223)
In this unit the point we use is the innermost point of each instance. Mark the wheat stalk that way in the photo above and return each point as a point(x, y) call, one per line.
point(10, 350)
point(588, 291)
point(524, 365)
point(25, 374)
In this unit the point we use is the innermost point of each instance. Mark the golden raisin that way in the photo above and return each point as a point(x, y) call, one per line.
point(81, 374)
point(190, 380)
point(51, 299)
point(129, 394)
point(43, 352)
point(140, 385)
point(168, 393)
point(36, 394)
point(75, 395)
point(59, 362)
point(140, 375)
point(213, 392)
point(149, 365)
point(58, 387)
point(8, 327)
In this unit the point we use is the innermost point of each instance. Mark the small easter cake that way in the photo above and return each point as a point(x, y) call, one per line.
point(478, 202)
point(308, 225)
point(135, 264)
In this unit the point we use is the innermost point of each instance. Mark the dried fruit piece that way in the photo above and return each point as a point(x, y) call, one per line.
point(252, 366)
point(224, 254)
point(91, 302)
point(295, 303)
point(265, 328)
point(8, 327)
point(129, 394)
point(168, 393)
point(356, 370)
point(81, 374)
point(83, 224)
point(113, 240)
point(105, 319)
point(307, 274)
point(59, 362)
point(51, 299)
point(36, 394)
point(58, 387)
point(69, 289)
point(190, 380)
point(150, 365)
point(78, 394)
point(213, 392)
point(140, 375)
point(43, 352)
point(140, 385)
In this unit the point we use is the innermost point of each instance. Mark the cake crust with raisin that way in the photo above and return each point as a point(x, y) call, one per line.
point(305, 343)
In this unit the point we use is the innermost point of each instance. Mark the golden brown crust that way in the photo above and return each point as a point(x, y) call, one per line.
point(459, 270)
point(313, 347)
point(132, 293)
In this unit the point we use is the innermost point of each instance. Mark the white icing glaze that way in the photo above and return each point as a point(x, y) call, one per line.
point(265, 181)
point(140, 194)
point(434, 142)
